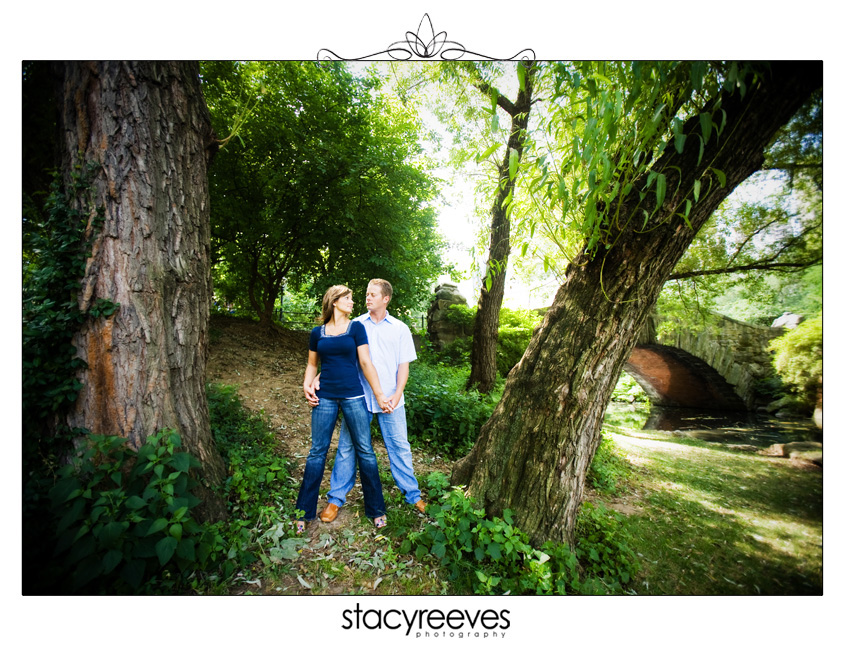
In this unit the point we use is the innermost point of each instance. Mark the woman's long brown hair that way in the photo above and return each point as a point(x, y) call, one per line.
point(332, 295)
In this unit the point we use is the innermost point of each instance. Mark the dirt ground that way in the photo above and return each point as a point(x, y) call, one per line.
point(267, 368)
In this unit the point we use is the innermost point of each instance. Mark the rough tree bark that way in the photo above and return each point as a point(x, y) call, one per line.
point(533, 453)
point(485, 330)
point(147, 130)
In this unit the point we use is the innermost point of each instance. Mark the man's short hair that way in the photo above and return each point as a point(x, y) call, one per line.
point(386, 287)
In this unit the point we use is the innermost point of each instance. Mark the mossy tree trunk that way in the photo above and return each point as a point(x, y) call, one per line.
point(533, 453)
point(485, 331)
point(146, 129)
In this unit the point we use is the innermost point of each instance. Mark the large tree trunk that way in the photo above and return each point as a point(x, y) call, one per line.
point(533, 453)
point(485, 332)
point(145, 127)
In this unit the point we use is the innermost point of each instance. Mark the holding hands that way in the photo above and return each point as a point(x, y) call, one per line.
point(310, 393)
point(385, 403)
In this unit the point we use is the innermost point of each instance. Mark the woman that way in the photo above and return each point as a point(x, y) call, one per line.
point(339, 344)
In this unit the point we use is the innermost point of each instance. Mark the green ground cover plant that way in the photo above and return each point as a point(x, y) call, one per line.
point(482, 555)
point(124, 516)
point(441, 415)
point(124, 523)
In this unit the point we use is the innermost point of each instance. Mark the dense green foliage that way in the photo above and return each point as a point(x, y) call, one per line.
point(600, 127)
point(514, 333)
point(124, 517)
point(259, 489)
point(627, 390)
point(322, 183)
point(798, 359)
point(604, 549)
point(493, 556)
point(124, 520)
point(441, 414)
point(760, 253)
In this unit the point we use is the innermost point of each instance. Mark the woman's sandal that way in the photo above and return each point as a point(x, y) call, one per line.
point(380, 522)
point(300, 527)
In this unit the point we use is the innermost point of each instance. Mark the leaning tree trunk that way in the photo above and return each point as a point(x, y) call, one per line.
point(533, 453)
point(485, 331)
point(147, 130)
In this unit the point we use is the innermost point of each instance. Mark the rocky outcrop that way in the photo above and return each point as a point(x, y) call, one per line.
point(441, 332)
point(787, 321)
point(807, 451)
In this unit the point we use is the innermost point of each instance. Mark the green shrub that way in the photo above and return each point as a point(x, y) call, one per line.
point(441, 414)
point(493, 556)
point(609, 466)
point(515, 329)
point(628, 390)
point(603, 550)
point(486, 556)
point(123, 517)
point(798, 359)
point(259, 489)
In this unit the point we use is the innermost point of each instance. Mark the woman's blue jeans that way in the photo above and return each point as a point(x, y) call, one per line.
point(323, 420)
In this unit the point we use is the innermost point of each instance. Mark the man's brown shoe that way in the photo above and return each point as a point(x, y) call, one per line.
point(330, 512)
point(420, 506)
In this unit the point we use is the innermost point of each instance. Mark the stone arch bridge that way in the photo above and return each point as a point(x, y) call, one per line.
point(715, 368)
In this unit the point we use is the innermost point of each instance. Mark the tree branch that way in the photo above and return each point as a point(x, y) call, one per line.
point(794, 267)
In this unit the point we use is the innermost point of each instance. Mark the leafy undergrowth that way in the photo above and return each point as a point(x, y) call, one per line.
point(693, 517)
point(662, 516)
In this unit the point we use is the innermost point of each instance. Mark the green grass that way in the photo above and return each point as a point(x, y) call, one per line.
point(712, 521)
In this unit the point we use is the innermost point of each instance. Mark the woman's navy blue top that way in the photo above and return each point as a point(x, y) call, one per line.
point(338, 357)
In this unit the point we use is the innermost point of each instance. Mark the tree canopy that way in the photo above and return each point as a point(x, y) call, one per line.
point(320, 180)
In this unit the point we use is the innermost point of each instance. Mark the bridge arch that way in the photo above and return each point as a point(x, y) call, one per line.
point(717, 367)
point(673, 377)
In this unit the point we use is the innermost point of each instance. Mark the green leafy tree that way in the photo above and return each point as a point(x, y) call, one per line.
point(322, 184)
point(798, 359)
point(485, 332)
point(641, 156)
point(760, 254)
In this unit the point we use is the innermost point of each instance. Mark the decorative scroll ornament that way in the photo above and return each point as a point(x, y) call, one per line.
point(424, 44)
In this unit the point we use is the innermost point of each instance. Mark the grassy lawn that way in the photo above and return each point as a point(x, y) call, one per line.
point(707, 520)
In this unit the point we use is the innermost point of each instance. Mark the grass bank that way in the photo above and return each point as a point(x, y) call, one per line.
point(708, 520)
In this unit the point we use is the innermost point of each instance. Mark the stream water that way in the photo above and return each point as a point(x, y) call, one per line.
point(759, 430)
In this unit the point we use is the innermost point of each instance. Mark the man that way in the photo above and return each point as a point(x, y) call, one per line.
point(391, 348)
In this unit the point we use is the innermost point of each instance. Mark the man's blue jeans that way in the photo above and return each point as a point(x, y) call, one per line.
point(394, 431)
point(356, 420)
